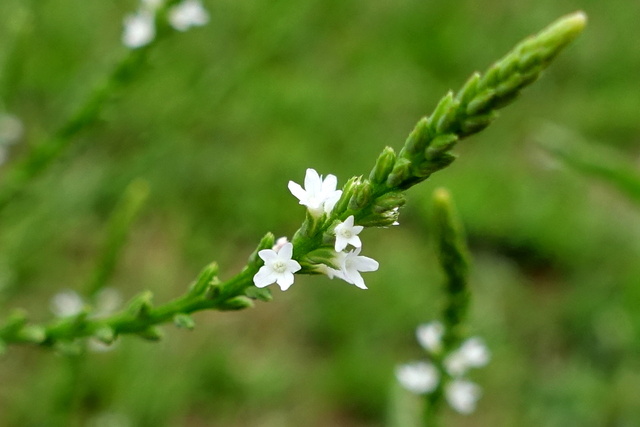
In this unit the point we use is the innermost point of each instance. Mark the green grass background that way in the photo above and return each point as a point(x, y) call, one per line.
point(225, 115)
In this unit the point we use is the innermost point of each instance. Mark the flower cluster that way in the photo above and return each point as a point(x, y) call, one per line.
point(320, 197)
point(140, 27)
point(446, 369)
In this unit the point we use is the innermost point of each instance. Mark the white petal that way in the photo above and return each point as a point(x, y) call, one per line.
point(264, 277)
point(462, 395)
point(356, 242)
point(293, 265)
point(286, 251)
point(363, 263)
point(312, 182)
point(297, 191)
point(418, 377)
point(341, 243)
point(429, 336)
point(285, 280)
point(329, 185)
point(267, 255)
point(331, 201)
point(475, 352)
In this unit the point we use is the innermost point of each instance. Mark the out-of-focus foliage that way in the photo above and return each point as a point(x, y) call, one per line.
point(225, 115)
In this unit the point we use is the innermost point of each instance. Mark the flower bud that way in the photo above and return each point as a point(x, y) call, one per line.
point(440, 145)
point(184, 321)
point(141, 305)
point(204, 279)
point(401, 172)
point(388, 202)
point(326, 256)
point(418, 138)
point(152, 333)
point(105, 334)
point(361, 195)
point(236, 303)
point(262, 294)
point(347, 193)
point(384, 166)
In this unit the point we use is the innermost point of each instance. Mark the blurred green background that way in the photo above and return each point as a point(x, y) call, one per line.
point(225, 115)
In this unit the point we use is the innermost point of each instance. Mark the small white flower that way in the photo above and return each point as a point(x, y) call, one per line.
point(462, 395)
point(189, 13)
point(278, 267)
point(11, 129)
point(66, 304)
point(418, 377)
point(429, 336)
point(139, 29)
point(318, 195)
point(280, 243)
point(473, 353)
point(352, 264)
point(107, 301)
point(347, 234)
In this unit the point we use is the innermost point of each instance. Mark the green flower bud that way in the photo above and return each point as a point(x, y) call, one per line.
point(266, 243)
point(105, 334)
point(347, 193)
point(324, 256)
point(388, 202)
point(441, 144)
point(361, 196)
point(418, 139)
point(401, 173)
point(475, 124)
point(481, 103)
point(152, 333)
point(33, 334)
point(141, 305)
point(184, 321)
point(236, 303)
point(204, 279)
point(262, 294)
point(384, 166)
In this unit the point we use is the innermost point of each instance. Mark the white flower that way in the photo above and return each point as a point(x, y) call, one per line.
point(139, 29)
point(278, 267)
point(418, 377)
point(11, 129)
point(66, 304)
point(429, 336)
point(473, 353)
point(97, 346)
point(351, 264)
point(462, 395)
point(107, 301)
point(318, 195)
point(189, 13)
point(347, 234)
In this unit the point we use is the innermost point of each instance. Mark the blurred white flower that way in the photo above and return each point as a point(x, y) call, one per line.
point(11, 129)
point(347, 234)
point(96, 346)
point(139, 29)
point(418, 377)
point(462, 395)
point(280, 243)
point(319, 195)
point(107, 301)
point(278, 267)
point(473, 353)
point(67, 303)
point(189, 13)
point(429, 336)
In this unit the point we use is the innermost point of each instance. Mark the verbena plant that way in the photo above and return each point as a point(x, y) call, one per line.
point(327, 241)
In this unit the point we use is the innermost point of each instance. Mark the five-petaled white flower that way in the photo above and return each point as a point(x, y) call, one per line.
point(418, 377)
point(189, 13)
point(347, 234)
point(139, 29)
point(429, 336)
point(462, 395)
point(278, 267)
point(473, 353)
point(351, 264)
point(318, 195)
